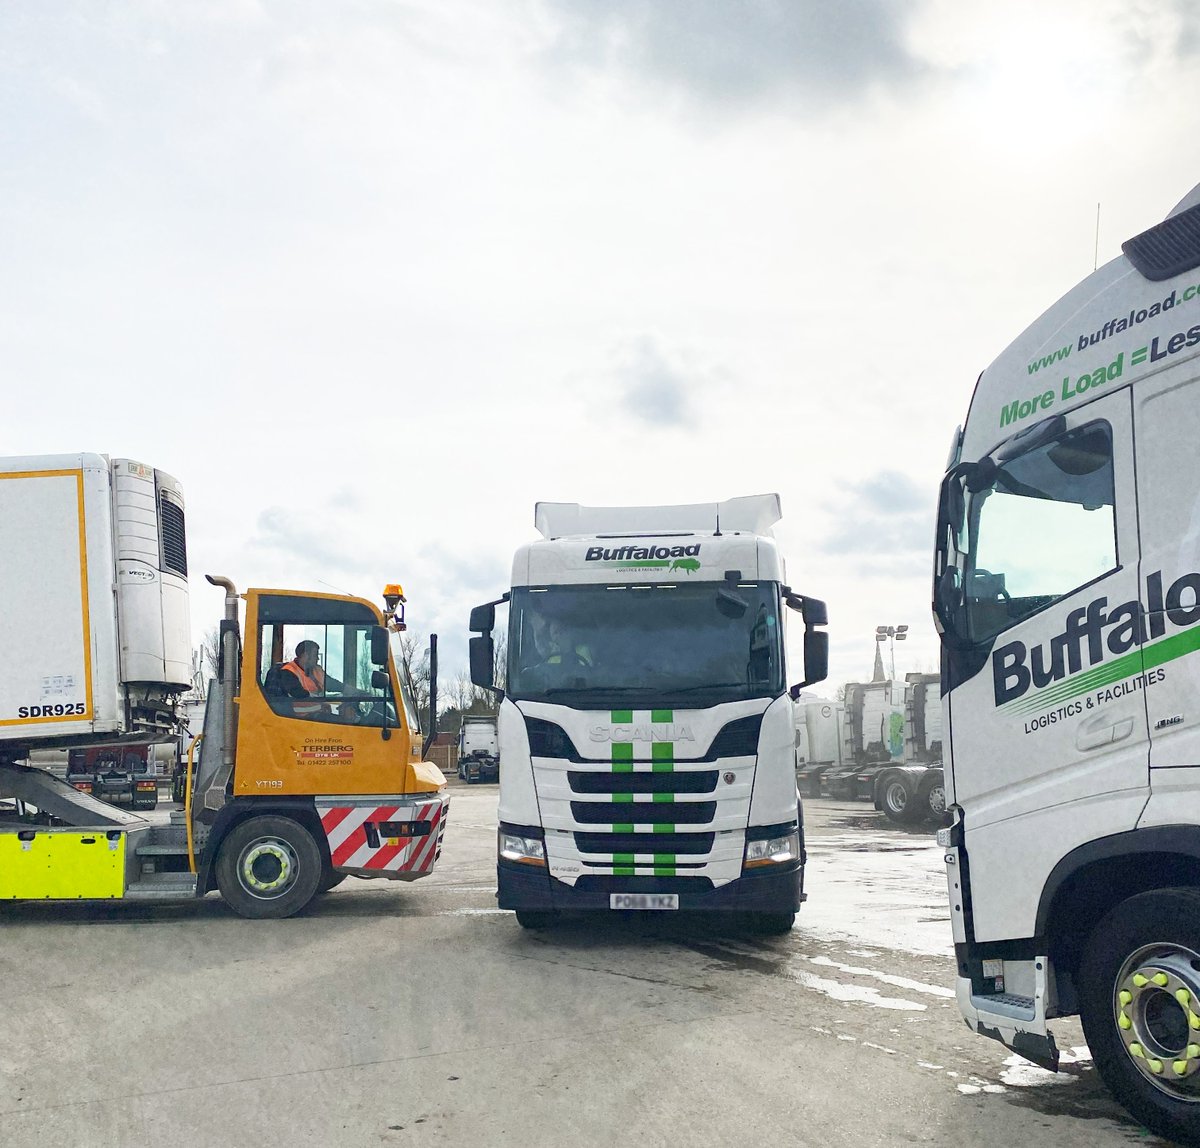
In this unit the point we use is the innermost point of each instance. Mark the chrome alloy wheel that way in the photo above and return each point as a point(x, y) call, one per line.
point(1156, 1007)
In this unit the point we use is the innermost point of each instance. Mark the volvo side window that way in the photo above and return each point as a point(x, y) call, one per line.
point(1042, 527)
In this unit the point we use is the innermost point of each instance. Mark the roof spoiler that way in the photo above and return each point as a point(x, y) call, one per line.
point(753, 514)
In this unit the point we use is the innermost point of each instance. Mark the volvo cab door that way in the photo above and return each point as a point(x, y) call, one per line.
point(1169, 498)
point(1037, 594)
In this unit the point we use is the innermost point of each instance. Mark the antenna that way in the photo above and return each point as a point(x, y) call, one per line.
point(1096, 252)
point(718, 532)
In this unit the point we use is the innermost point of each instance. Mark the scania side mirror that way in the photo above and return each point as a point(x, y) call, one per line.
point(816, 661)
point(482, 653)
point(483, 620)
point(379, 646)
point(815, 613)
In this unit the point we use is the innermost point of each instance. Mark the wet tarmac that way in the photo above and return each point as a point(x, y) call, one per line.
point(424, 1014)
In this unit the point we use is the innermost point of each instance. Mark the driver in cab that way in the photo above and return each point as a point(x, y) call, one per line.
point(306, 682)
point(553, 644)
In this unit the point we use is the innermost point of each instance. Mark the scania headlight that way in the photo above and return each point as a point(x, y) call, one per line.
point(773, 850)
point(527, 850)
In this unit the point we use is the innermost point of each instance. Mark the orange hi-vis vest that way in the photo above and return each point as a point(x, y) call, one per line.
point(313, 684)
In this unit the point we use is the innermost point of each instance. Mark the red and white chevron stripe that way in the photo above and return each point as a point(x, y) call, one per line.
point(349, 848)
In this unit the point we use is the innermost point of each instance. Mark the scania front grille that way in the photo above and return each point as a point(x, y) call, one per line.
point(692, 844)
point(643, 812)
point(700, 781)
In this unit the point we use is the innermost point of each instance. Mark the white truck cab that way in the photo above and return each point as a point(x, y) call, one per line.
point(646, 727)
point(1067, 595)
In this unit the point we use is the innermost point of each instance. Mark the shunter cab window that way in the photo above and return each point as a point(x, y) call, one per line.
point(1045, 526)
point(338, 687)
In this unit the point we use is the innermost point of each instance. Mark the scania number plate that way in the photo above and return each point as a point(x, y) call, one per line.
point(643, 900)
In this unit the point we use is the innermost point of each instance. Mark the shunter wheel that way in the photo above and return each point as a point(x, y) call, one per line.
point(268, 867)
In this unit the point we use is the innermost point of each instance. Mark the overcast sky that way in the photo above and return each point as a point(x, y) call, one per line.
point(371, 278)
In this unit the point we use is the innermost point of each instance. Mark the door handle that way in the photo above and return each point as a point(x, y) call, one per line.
point(1101, 730)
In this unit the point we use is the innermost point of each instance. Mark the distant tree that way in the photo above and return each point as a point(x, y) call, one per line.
point(413, 652)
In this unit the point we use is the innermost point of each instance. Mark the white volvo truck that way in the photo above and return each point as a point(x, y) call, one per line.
point(1067, 593)
point(646, 726)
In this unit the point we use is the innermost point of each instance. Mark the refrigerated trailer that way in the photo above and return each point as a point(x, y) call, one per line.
point(646, 726)
point(1067, 594)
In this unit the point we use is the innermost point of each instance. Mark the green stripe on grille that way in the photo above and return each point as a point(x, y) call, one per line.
point(622, 797)
point(664, 870)
point(621, 717)
point(622, 757)
point(664, 827)
point(621, 827)
point(664, 858)
point(662, 715)
point(622, 858)
point(662, 753)
point(663, 798)
point(623, 871)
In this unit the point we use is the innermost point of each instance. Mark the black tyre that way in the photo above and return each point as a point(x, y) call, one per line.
point(1139, 998)
point(537, 918)
point(330, 880)
point(898, 800)
point(268, 867)
point(771, 924)
point(931, 800)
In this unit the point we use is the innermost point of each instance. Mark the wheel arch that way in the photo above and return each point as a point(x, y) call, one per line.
point(1091, 879)
point(234, 812)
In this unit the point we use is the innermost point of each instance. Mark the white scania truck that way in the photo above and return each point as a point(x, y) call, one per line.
point(646, 726)
point(1067, 593)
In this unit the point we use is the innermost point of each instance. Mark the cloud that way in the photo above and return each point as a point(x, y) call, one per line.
point(743, 53)
point(886, 523)
point(655, 391)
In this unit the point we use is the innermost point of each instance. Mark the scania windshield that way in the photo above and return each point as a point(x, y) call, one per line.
point(632, 646)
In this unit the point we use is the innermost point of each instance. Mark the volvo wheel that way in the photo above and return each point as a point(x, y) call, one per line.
point(1140, 1006)
point(268, 867)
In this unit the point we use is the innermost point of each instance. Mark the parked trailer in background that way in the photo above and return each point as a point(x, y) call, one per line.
point(915, 789)
point(819, 744)
point(873, 717)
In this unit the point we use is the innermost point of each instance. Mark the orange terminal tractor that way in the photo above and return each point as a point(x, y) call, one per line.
point(309, 770)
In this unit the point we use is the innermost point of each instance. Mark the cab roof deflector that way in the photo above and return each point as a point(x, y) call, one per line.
point(1169, 248)
point(754, 513)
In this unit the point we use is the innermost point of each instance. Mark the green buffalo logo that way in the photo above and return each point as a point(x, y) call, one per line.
point(689, 565)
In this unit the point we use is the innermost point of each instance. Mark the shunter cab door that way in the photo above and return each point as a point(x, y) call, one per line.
point(334, 729)
point(1038, 597)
